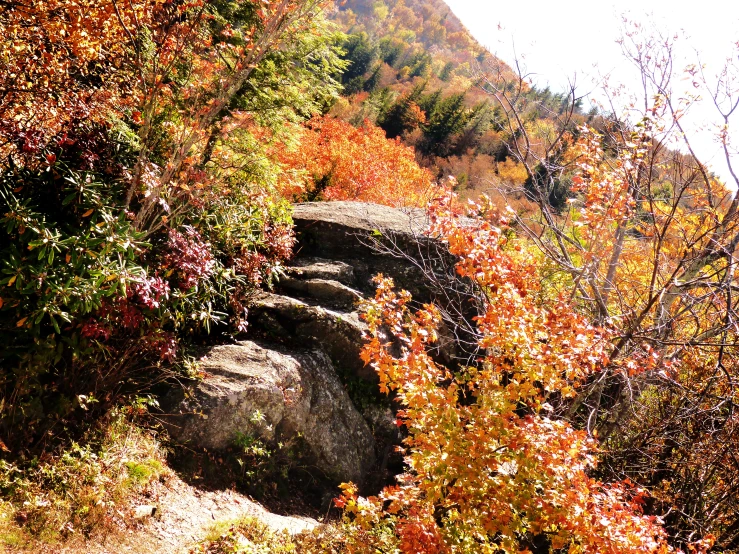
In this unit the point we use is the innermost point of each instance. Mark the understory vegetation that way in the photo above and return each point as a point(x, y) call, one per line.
point(149, 155)
point(250, 536)
point(85, 490)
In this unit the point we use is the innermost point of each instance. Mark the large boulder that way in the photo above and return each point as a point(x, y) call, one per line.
point(276, 394)
point(305, 375)
point(371, 239)
point(342, 223)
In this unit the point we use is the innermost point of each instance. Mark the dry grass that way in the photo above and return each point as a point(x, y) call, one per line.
point(87, 489)
point(250, 536)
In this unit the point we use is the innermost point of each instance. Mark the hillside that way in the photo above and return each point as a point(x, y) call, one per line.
point(417, 72)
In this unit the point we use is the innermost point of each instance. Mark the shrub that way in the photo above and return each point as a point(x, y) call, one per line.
point(90, 308)
point(489, 467)
point(336, 161)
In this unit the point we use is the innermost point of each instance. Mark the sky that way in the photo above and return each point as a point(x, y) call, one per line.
point(559, 41)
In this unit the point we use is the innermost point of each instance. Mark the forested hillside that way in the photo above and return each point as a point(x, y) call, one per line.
point(564, 380)
point(415, 71)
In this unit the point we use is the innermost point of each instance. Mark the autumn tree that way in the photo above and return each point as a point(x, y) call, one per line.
point(336, 161)
point(64, 62)
point(221, 66)
point(490, 468)
point(645, 243)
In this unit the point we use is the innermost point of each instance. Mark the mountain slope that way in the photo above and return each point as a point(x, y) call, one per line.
point(416, 71)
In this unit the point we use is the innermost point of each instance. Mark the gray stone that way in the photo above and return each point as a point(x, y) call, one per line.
point(373, 239)
point(311, 336)
point(362, 216)
point(326, 290)
point(320, 268)
point(339, 334)
point(276, 395)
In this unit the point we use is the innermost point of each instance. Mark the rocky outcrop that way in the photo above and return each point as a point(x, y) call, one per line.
point(274, 394)
point(371, 239)
point(300, 374)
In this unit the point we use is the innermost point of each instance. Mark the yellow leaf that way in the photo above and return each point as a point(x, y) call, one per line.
point(12, 280)
point(88, 213)
point(110, 277)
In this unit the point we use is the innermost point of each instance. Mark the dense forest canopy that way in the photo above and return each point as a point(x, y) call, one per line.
point(149, 155)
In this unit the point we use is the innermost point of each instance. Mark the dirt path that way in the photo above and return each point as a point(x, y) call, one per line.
point(184, 516)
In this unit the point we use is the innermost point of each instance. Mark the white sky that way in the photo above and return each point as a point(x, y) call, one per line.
point(559, 40)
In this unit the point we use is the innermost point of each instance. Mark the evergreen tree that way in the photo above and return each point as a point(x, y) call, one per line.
point(446, 72)
point(373, 81)
point(360, 53)
point(447, 119)
point(391, 50)
point(404, 115)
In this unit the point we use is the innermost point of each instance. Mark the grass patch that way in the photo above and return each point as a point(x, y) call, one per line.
point(140, 473)
point(251, 536)
point(84, 489)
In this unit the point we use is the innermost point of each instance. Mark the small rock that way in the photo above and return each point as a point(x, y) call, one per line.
point(144, 511)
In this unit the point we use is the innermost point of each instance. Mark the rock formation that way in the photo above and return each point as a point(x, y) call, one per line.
point(299, 374)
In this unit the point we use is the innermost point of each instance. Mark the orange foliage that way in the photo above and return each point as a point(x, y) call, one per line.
point(511, 171)
point(336, 161)
point(490, 469)
point(62, 60)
